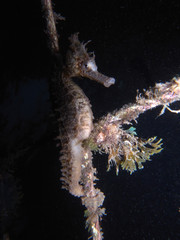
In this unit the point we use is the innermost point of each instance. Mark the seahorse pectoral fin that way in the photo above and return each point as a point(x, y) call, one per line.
point(99, 77)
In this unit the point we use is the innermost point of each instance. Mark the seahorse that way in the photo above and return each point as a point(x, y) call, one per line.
point(75, 114)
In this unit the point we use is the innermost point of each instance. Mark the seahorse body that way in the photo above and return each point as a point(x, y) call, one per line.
point(75, 126)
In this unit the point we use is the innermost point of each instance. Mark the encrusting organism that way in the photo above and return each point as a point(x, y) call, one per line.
point(80, 135)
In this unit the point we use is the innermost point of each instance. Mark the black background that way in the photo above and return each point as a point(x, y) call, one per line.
point(138, 43)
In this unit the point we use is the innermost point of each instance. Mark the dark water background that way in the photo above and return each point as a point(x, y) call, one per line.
point(138, 43)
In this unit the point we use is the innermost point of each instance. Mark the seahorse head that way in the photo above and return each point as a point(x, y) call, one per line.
point(81, 63)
